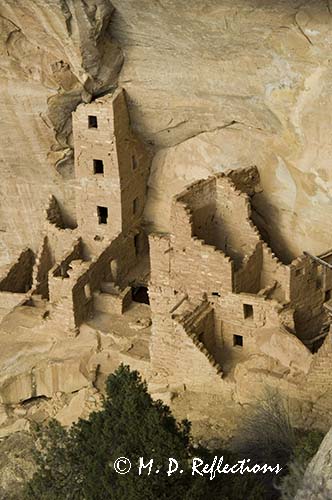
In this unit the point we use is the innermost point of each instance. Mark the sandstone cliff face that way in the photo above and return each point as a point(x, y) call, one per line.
point(241, 82)
point(54, 55)
point(222, 83)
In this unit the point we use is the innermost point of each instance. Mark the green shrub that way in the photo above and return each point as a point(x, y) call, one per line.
point(78, 463)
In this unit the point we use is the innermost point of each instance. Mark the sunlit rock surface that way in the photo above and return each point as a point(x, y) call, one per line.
point(255, 74)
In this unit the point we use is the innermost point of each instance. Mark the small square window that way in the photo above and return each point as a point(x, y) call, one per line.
point(327, 295)
point(98, 166)
point(102, 213)
point(93, 122)
point(216, 294)
point(135, 205)
point(248, 311)
point(237, 340)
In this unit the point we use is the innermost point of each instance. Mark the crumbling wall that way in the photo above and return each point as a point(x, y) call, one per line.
point(53, 213)
point(200, 327)
point(62, 279)
point(44, 262)
point(19, 277)
point(248, 277)
point(246, 180)
point(191, 258)
point(274, 271)
point(307, 297)
point(177, 352)
point(220, 215)
point(200, 199)
point(234, 232)
point(61, 270)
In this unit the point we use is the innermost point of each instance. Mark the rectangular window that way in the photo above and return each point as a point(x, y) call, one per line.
point(102, 213)
point(135, 205)
point(98, 166)
point(93, 122)
point(137, 244)
point(248, 311)
point(134, 163)
point(327, 295)
point(237, 340)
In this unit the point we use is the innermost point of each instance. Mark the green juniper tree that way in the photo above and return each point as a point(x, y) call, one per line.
point(77, 464)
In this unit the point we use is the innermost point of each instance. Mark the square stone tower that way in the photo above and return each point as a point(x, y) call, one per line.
point(111, 167)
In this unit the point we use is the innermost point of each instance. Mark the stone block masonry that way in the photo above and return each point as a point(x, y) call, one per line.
point(226, 313)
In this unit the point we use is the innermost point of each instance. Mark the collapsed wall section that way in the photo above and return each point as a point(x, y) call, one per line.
point(19, 277)
point(192, 258)
point(307, 296)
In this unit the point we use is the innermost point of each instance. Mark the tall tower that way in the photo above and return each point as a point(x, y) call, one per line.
point(111, 167)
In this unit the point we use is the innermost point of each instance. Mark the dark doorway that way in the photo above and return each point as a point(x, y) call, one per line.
point(238, 340)
point(93, 122)
point(248, 311)
point(98, 167)
point(102, 213)
point(140, 294)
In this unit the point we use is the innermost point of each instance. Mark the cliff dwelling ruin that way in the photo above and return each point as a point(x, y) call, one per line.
point(206, 308)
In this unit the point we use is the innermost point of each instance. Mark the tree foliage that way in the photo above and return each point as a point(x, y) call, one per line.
point(78, 463)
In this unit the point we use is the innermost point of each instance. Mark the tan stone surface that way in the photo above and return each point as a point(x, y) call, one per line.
point(187, 71)
point(263, 65)
point(285, 348)
point(229, 84)
point(54, 54)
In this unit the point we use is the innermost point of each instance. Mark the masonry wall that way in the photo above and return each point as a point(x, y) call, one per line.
point(200, 199)
point(307, 297)
point(196, 267)
point(320, 375)
point(121, 187)
point(160, 259)
point(248, 277)
point(273, 270)
point(178, 353)
point(261, 299)
point(133, 165)
point(96, 189)
point(203, 329)
point(233, 231)
point(242, 315)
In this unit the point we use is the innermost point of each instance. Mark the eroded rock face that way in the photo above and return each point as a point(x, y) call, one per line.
point(54, 55)
point(224, 83)
point(256, 73)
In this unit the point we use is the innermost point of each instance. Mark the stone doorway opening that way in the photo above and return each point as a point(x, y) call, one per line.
point(140, 294)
